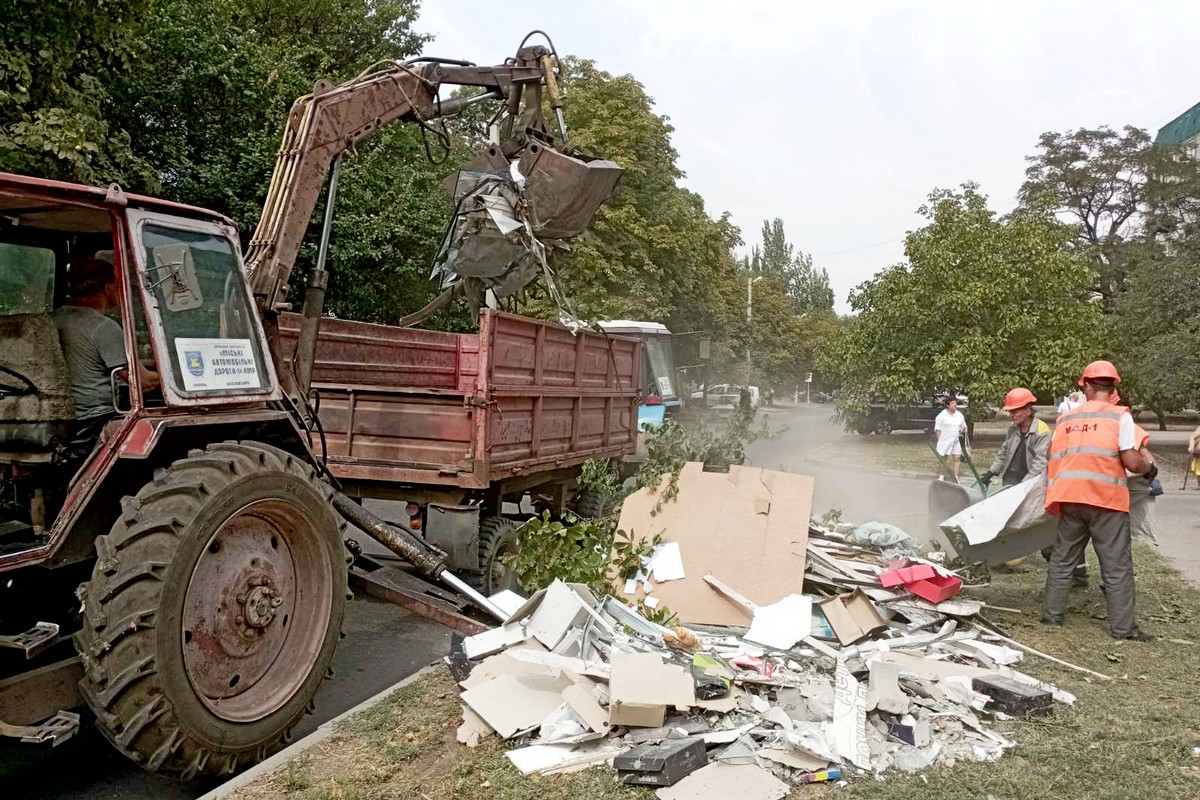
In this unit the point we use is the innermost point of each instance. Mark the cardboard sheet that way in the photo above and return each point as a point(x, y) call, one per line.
point(749, 526)
point(720, 781)
point(852, 616)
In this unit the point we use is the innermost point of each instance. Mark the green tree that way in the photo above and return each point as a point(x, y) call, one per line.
point(807, 285)
point(1119, 189)
point(1136, 206)
point(653, 251)
point(983, 304)
point(207, 106)
point(1158, 320)
point(58, 62)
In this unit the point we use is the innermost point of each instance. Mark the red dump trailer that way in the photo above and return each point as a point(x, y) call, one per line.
point(459, 424)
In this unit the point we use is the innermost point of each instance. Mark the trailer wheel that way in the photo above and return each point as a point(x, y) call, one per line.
point(497, 539)
point(213, 610)
point(595, 505)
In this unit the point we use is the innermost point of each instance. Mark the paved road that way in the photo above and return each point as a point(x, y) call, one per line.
point(860, 496)
point(384, 644)
point(866, 496)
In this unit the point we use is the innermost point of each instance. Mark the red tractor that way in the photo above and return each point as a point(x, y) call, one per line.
point(179, 562)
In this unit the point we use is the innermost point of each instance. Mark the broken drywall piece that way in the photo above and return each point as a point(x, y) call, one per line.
point(642, 687)
point(727, 736)
point(503, 664)
point(581, 698)
point(514, 703)
point(715, 521)
point(793, 758)
point(720, 781)
point(561, 663)
point(473, 729)
point(507, 601)
point(549, 759)
point(666, 563)
point(561, 725)
point(1004, 656)
point(884, 684)
point(562, 608)
point(850, 718)
point(493, 641)
point(781, 625)
point(631, 585)
point(778, 716)
point(741, 751)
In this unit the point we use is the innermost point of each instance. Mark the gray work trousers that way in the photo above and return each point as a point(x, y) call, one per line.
point(1109, 533)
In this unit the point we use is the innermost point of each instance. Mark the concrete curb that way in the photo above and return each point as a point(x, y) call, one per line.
point(323, 732)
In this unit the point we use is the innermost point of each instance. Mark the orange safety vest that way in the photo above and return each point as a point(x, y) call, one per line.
point(1085, 460)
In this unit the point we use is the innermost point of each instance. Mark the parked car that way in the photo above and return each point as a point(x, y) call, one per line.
point(883, 419)
point(726, 395)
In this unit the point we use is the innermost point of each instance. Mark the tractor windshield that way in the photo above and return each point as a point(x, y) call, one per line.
point(662, 366)
point(195, 288)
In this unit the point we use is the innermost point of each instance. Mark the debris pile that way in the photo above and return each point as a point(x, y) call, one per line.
point(804, 657)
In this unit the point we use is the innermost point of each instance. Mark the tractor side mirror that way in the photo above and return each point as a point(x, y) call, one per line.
point(175, 272)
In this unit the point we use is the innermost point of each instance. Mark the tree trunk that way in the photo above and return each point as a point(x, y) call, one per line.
point(1162, 418)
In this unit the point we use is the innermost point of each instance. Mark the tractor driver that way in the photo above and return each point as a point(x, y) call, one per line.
point(93, 346)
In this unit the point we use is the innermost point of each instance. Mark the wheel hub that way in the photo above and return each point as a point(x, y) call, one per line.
point(255, 611)
point(258, 608)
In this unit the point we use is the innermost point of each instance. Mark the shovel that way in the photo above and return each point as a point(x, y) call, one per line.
point(967, 458)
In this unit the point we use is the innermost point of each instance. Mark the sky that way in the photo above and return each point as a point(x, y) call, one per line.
point(841, 117)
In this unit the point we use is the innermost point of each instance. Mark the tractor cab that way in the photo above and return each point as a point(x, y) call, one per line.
point(659, 379)
point(175, 328)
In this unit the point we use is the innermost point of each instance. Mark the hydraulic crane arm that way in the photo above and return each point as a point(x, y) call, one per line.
point(324, 124)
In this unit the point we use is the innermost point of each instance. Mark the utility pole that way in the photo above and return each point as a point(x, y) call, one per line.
point(750, 281)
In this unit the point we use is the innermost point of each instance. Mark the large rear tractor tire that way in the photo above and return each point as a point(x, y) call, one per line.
point(213, 610)
point(497, 540)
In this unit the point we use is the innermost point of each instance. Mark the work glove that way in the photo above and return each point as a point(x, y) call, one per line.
point(1156, 488)
point(1152, 473)
point(987, 477)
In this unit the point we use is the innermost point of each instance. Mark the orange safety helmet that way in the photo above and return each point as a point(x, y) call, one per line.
point(1018, 398)
point(1102, 370)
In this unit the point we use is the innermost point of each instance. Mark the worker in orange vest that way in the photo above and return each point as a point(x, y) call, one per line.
point(1092, 448)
